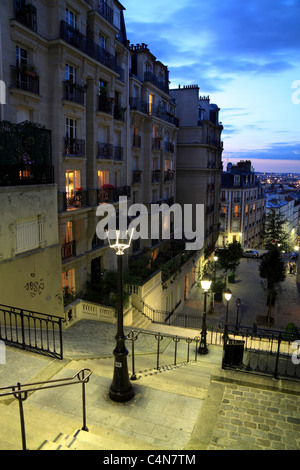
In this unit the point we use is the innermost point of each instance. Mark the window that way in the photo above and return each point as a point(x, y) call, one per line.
point(68, 282)
point(29, 234)
point(21, 56)
point(70, 73)
point(103, 178)
point(102, 88)
point(236, 211)
point(73, 182)
point(71, 128)
point(71, 18)
point(69, 232)
point(151, 103)
point(102, 41)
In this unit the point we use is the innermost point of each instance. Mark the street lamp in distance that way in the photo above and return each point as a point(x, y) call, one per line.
point(205, 284)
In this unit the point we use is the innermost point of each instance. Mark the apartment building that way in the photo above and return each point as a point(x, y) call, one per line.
point(242, 207)
point(199, 157)
point(66, 66)
point(288, 209)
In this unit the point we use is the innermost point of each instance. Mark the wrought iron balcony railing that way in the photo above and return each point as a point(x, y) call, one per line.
point(106, 11)
point(74, 147)
point(75, 200)
point(24, 79)
point(155, 80)
point(109, 193)
point(86, 45)
point(74, 92)
point(104, 104)
point(26, 14)
point(68, 250)
point(136, 176)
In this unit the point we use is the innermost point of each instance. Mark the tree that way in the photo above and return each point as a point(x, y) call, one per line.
point(275, 232)
point(229, 258)
point(272, 268)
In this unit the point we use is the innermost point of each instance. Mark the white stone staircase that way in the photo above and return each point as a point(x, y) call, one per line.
point(139, 320)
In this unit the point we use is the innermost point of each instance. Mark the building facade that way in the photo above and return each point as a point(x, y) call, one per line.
point(242, 207)
point(199, 157)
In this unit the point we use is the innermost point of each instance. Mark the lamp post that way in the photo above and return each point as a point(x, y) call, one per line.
point(228, 295)
point(238, 304)
point(121, 389)
point(205, 284)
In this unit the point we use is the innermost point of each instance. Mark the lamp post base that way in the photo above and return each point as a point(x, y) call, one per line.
point(121, 389)
point(203, 346)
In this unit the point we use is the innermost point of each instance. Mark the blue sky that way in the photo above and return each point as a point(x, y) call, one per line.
point(245, 56)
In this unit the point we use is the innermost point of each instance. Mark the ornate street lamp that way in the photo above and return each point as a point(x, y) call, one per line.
point(121, 389)
point(205, 284)
point(227, 295)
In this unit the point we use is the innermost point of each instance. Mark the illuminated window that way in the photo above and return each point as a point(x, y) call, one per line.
point(151, 103)
point(103, 178)
point(68, 282)
point(73, 182)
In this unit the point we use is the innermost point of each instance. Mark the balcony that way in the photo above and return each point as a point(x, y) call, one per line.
point(109, 193)
point(156, 176)
point(156, 142)
point(106, 12)
point(155, 80)
point(136, 177)
point(169, 147)
point(169, 176)
point(75, 200)
point(68, 250)
point(110, 152)
point(104, 104)
point(119, 113)
point(26, 154)
point(86, 45)
point(137, 141)
point(74, 92)
point(74, 147)
point(26, 14)
point(25, 78)
point(105, 151)
point(137, 104)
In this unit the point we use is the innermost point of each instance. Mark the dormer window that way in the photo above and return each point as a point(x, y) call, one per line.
point(236, 180)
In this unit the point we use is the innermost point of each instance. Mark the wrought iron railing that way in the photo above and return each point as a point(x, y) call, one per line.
point(107, 194)
point(75, 200)
point(21, 392)
point(26, 14)
point(263, 351)
point(185, 349)
point(25, 80)
point(68, 250)
point(74, 92)
point(74, 147)
point(31, 331)
point(86, 45)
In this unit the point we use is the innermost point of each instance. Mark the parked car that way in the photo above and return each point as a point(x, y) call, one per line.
point(251, 254)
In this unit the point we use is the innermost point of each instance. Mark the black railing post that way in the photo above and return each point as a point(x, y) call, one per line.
point(22, 329)
point(158, 337)
point(21, 410)
point(84, 426)
point(277, 357)
point(176, 340)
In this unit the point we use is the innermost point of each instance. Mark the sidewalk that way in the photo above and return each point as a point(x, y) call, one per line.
point(248, 288)
point(188, 407)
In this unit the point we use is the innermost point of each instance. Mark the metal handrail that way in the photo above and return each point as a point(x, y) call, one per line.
point(134, 334)
point(20, 392)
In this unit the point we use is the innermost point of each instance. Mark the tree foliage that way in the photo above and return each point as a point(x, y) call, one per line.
point(272, 269)
point(275, 232)
point(229, 258)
